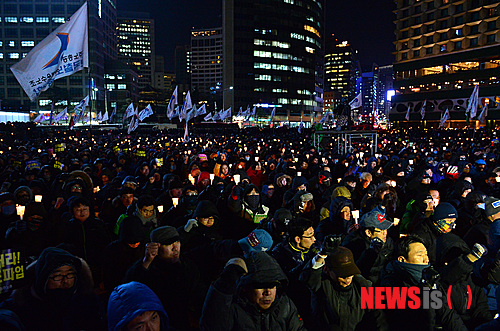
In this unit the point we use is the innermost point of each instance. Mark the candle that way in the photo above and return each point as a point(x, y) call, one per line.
point(236, 179)
point(338, 180)
point(410, 162)
point(38, 198)
point(191, 179)
point(212, 176)
point(20, 211)
point(396, 221)
point(160, 208)
point(299, 173)
point(175, 201)
point(355, 214)
point(257, 158)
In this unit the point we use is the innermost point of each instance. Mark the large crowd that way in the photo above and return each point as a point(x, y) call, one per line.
point(253, 229)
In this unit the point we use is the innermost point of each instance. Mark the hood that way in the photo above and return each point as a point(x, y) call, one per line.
point(336, 206)
point(50, 259)
point(129, 300)
point(131, 230)
point(448, 247)
point(206, 208)
point(297, 181)
point(203, 175)
point(263, 268)
point(25, 189)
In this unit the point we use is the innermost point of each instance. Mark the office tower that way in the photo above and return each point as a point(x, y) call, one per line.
point(443, 49)
point(274, 56)
point(25, 23)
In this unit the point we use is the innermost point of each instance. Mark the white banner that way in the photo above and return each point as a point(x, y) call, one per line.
point(60, 54)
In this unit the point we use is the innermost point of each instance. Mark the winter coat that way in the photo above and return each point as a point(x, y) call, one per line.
point(429, 233)
point(40, 311)
point(226, 307)
point(335, 224)
point(334, 307)
point(416, 319)
point(456, 269)
point(129, 301)
point(179, 280)
point(369, 261)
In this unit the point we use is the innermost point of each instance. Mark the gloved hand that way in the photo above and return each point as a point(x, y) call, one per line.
point(376, 244)
point(190, 224)
point(239, 262)
point(330, 244)
point(479, 250)
point(430, 276)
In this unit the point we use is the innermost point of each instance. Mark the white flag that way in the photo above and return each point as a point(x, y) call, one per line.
point(225, 114)
point(146, 112)
point(324, 119)
point(191, 114)
point(187, 105)
point(61, 115)
point(357, 101)
point(444, 118)
point(99, 117)
point(217, 116)
point(301, 126)
point(473, 103)
point(134, 123)
point(208, 117)
point(60, 54)
point(484, 113)
point(422, 110)
point(240, 113)
point(129, 111)
point(39, 118)
point(113, 113)
point(407, 117)
point(201, 111)
point(273, 113)
point(171, 104)
point(105, 117)
point(83, 103)
point(186, 134)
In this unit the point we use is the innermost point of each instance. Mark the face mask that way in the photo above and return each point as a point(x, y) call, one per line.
point(253, 201)
point(8, 210)
point(60, 296)
point(247, 158)
point(444, 226)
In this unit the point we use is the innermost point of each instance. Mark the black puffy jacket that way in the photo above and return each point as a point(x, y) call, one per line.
point(226, 307)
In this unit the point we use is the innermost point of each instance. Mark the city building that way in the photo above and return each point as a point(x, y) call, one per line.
point(136, 45)
point(159, 81)
point(443, 49)
point(385, 89)
point(169, 83)
point(368, 84)
point(26, 23)
point(182, 68)
point(341, 69)
point(206, 66)
point(121, 86)
point(274, 57)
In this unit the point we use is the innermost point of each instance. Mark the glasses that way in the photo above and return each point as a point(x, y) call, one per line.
point(76, 187)
point(82, 210)
point(59, 278)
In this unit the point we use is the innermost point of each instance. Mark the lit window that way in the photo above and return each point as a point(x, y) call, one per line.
point(1, 55)
point(43, 103)
point(14, 55)
point(27, 19)
point(58, 20)
point(122, 86)
point(27, 43)
point(41, 19)
point(310, 50)
point(10, 19)
point(110, 86)
point(12, 43)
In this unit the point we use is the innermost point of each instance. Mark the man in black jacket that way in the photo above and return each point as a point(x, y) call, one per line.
point(292, 254)
point(250, 296)
point(371, 247)
point(407, 271)
point(335, 282)
point(175, 280)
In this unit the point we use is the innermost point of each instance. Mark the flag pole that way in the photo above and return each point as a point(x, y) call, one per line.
point(89, 71)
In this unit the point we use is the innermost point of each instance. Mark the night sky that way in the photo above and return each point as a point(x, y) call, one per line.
point(367, 24)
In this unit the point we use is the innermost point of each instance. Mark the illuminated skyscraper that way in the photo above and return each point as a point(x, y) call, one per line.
point(136, 46)
point(25, 23)
point(274, 56)
point(443, 49)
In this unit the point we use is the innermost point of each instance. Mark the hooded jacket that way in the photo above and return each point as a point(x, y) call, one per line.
point(131, 300)
point(41, 310)
point(335, 224)
point(227, 308)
